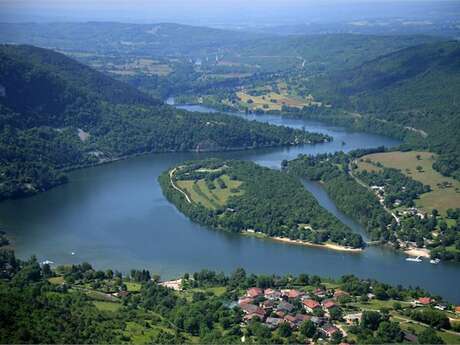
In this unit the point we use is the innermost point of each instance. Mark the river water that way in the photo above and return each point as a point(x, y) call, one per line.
point(116, 216)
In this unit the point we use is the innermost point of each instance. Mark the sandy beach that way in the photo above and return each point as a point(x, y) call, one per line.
point(423, 252)
point(330, 246)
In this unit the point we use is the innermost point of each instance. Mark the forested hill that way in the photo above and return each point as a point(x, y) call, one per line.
point(56, 113)
point(42, 84)
point(418, 87)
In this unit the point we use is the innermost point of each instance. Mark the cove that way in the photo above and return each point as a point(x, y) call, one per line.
point(116, 216)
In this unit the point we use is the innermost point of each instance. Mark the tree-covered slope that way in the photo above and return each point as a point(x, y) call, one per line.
point(56, 113)
point(417, 87)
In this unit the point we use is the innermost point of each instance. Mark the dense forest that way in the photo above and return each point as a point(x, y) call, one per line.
point(57, 114)
point(350, 197)
point(80, 304)
point(267, 201)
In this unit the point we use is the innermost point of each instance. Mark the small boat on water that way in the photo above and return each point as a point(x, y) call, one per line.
point(47, 262)
point(435, 261)
point(417, 259)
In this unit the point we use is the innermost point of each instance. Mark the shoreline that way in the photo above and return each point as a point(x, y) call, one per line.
point(330, 246)
point(423, 252)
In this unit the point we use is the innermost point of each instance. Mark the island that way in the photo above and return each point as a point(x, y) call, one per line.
point(243, 197)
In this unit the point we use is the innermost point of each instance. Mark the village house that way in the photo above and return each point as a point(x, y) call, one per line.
point(353, 319)
point(340, 293)
point(245, 300)
point(457, 309)
point(254, 292)
point(320, 293)
point(310, 305)
point(268, 305)
point(329, 330)
point(422, 301)
point(272, 294)
point(291, 320)
point(291, 293)
point(280, 313)
point(250, 317)
point(328, 304)
point(273, 322)
point(285, 307)
point(253, 309)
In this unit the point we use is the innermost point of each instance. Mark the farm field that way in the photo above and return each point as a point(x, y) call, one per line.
point(445, 192)
point(273, 101)
point(200, 193)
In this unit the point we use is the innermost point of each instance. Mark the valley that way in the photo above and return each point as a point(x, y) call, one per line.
point(311, 182)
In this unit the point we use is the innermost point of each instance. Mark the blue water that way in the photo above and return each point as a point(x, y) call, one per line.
point(116, 216)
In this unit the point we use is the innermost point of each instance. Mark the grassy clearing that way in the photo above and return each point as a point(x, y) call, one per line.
point(133, 287)
point(445, 190)
point(416, 328)
point(212, 199)
point(56, 280)
point(107, 306)
point(142, 334)
point(272, 101)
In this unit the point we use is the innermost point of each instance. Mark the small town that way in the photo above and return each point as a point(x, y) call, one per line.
point(328, 309)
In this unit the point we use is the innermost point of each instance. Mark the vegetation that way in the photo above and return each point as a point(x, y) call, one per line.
point(382, 199)
point(416, 87)
point(242, 196)
point(204, 310)
point(442, 192)
point(58, 114)
point(350, 197)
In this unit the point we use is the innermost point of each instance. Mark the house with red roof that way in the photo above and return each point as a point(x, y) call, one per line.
point(245, 300)
point(328, 304)
point(253, 309)
point(424, 300)
point(457, 309)
point(320, 293)
point(254, 292)
point(294, 294)
point(340, 293)
point(310, 305)
point(272, 294)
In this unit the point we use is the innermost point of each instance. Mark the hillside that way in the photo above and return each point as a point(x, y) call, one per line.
point(57, 114)
point(417, 87)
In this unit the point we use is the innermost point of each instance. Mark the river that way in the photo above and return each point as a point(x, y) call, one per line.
point(115, 216)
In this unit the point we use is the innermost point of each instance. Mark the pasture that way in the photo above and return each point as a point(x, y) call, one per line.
point(273, 101)
point(445, 191)
point(212, 198)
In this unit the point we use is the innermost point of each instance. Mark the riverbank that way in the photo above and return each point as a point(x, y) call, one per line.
point(327, 245)
point(423, 252)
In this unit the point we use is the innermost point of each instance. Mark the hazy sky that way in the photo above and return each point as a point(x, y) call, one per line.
point(211, 10)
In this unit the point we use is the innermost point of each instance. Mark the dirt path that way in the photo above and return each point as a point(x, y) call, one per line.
point(171, 174)
point(361, 183)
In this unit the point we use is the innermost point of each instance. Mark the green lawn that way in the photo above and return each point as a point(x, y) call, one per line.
point(107, 306)
point(133, 287)
point(212, 199)
point(56, 280)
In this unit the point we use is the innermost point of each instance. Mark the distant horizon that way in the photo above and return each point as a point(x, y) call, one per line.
point(226, 13)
